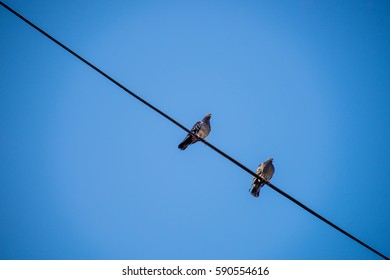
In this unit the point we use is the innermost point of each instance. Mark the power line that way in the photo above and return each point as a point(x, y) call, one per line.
point(188, 131)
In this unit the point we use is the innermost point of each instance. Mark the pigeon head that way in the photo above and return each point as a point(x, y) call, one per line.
point(270, 160)
point(207, 118)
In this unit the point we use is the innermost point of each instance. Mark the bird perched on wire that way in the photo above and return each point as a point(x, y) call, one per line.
point(265, 171)
point(200, 129)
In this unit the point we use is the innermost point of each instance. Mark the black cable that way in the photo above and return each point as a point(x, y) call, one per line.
point(188, 131)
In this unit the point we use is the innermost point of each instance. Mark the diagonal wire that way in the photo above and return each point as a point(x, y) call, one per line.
point(188, 131)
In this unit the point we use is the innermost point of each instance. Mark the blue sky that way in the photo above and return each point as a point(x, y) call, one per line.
point(88, 172)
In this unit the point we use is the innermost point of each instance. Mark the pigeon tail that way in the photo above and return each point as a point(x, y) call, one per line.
point(186, 142)
point(256, 190)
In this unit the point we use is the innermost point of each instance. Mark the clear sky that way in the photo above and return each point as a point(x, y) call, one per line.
point(88, 172)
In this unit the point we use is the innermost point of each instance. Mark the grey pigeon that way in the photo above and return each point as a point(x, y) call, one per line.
point(200, 129)
point(265, 171)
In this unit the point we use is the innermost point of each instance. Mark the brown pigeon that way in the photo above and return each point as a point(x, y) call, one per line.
point(265, 171)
